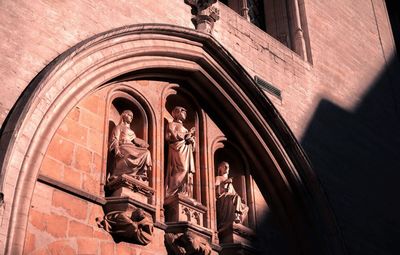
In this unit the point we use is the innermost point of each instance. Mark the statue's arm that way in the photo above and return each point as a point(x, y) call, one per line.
point(173, 134)
point(140, 142)
point(114, 145)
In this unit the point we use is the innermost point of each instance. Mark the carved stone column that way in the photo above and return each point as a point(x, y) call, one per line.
point(244, 9)
point(204, 14)
point(299, 41)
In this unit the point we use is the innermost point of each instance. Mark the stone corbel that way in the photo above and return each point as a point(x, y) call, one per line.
point(205, 14)
point(186, 244)
point(127, 222)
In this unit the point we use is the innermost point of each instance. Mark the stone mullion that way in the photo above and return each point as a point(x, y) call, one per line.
point(297, 31)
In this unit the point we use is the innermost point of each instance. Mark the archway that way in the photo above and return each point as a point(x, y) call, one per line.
point(211, 73)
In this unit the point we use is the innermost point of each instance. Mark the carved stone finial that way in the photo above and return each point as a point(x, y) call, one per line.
point(204, 14)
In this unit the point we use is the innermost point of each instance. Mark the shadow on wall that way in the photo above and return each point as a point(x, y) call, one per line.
point(271, 239)
point(356, 156)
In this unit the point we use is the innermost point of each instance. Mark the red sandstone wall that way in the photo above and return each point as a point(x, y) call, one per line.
point(349, 47)
point(350, 43)
point(62, 223)
point(36, 32)
point(348, 53)
point(74, 155)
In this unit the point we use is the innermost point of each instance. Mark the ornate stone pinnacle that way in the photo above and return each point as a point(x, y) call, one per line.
point(204, 14)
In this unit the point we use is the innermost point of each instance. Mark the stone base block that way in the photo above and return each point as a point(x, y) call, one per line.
point(236, 233)
point(127, 186)
point(180, 208)
point(127, 204)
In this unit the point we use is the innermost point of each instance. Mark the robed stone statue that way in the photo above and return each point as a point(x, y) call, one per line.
point(131, 154)
point(230, 208)
point(180, 162)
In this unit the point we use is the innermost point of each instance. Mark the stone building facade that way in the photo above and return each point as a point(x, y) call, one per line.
point(198, 127)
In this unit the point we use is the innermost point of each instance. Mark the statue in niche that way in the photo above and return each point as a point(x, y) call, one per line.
point(130, 226)
point(131, 154)
point(180, 163)
point(230, 208)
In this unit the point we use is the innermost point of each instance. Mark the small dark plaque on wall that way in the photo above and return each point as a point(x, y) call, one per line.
point(263, 84)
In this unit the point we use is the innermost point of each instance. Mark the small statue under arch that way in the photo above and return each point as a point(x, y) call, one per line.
point(230, 207)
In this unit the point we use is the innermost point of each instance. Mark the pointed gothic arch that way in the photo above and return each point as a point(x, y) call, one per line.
point(211, 73)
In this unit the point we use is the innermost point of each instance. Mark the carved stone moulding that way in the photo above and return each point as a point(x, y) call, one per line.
point(236, 233)
point(182, 208)
point(128, 220)
point(127, 186)
point(185, 238)
point(126, 204)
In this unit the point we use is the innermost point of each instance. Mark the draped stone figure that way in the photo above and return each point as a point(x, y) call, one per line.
point(180, 162)
point(230, 208)
point(131, 154)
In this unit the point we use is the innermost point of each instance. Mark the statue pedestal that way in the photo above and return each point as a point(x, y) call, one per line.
point(185, 232)
point(127, 204)
point(237, 239)
point(180, 208)
point(127, 186)
point(236, 233)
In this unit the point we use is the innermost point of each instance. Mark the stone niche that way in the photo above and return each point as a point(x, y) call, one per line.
point(234, 199)
point(129, 210)
point(169, 166)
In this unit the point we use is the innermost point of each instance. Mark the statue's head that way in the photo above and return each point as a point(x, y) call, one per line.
point(223, 168)
point(127, 116)
point(179, 113)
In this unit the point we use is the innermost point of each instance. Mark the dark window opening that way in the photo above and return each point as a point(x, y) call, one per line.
point(282, 19)
point(256, 13)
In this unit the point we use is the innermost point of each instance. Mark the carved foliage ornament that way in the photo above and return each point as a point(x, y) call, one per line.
point(186, 244)
point(130, 226)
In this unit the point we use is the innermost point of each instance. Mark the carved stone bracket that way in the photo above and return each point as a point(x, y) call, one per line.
point(127, 186)
point(127, 222)
point(185, 238)
point(204, 14)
